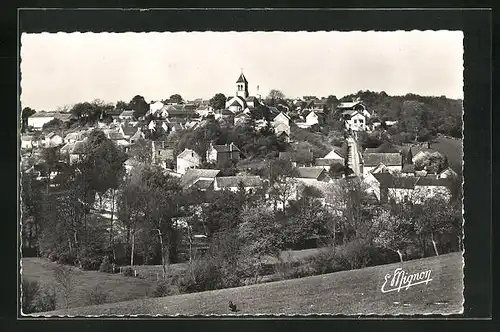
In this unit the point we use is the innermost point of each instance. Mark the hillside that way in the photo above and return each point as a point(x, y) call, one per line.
point(348, 292)
point(451, 148)
point(116, 286)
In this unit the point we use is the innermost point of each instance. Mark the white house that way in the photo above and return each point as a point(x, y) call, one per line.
point(312, 118)
point(26, 142)
point(447, 173)
point(355, 115)
point(126, 115)
point(332, 157)
point(37, 120)
point(154, 107)
point(75, 151)
point(410, 189)
point(53, 139)
point(187, 159)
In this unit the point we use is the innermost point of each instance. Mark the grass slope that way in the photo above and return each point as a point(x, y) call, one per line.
point(451, 148)
point(117, 287)
point(349, 292)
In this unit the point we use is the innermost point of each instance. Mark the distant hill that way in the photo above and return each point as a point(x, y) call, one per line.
point(441, 114)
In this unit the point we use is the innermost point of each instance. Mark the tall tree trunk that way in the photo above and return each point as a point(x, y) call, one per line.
point(400, 255)
point(162, 250)
point(132, 250)
point(111, 224)
point(434, 244)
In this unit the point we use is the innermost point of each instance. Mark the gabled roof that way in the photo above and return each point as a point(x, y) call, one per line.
point(192, 175)
point(242, 79)
point(127, 113)
point(385, 147)
point(26, 138)
point(188, 154)
point(78, 147)
point(129, 130)
point(226, 147)
point(309, 172)
point(409, 182)
point(203, 184)
point(115, 135)
point(227, 112)
point(234, 181)
point(408, 168)
point(350, 104)
point(327, 162)
point(388, 159)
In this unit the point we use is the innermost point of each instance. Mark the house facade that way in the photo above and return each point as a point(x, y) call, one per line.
point(249, 182)
point(222, 153)
point(187, 159)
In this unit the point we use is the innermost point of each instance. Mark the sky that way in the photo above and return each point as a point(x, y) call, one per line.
point(60, 69)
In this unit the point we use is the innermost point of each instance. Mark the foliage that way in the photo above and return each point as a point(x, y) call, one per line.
point(128, 272)
point(336, 170)
point(106, 265)
point(432, 162)
point(392, 232)
point(64, 277)
point(54, 124)
point(96, 296)
point(218, 101)
point(36, 299)
point(165, 287)
point(176, 98)
point(139, 105)
point(90, 112)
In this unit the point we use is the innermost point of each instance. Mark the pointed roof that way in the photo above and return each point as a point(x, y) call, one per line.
point(242, 79)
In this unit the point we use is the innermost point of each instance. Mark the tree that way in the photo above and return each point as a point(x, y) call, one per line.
point(51, 157)
point(392, 232)
point(275, 97)
point(176, 98)
point(260, 236)
point(141, 150)
point(336, 170)
point(436, 217)
point(163, 207)
point(25, 114)
point(282, 182)
point(54, 124)
point(433, 162)
point(121, 105)
point(139, 105)
point(65, 277)
point(218, 101)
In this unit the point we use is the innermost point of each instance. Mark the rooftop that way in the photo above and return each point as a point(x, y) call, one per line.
point(309, 172)
point(234, 181)
point(388, 159)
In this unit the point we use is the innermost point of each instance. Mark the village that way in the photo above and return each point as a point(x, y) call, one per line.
point(370, 165)
point(171, 181)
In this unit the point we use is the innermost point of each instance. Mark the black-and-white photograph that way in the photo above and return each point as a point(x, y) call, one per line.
point(241, 173)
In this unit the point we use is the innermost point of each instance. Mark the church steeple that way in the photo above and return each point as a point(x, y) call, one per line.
point(242, 86)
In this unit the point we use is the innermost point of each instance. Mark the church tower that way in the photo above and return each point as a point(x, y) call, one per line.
point(242, 86)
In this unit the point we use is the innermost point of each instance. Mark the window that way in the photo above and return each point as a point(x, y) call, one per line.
point(405, 199)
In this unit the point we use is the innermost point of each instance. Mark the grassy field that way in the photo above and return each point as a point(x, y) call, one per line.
point(348, 292)
point(117, 287)
point(451, 148)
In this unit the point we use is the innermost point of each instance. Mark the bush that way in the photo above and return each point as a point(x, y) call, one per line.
point(96, 296)
point(36, 300)
point(90, 264)
point(203, 274)
point(66, 258)
point(128, 272)
point(29, 292)
point(166, 287)
point(106, 266)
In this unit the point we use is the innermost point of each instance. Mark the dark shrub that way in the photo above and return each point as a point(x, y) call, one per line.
point(66, 258)
point(29, 291)
point(53, 256)
point(128, 272)
point(90, 264)
point(96, 295)
point(201, 276)
point(166, 287)
point(45, 301)
point(106, 266)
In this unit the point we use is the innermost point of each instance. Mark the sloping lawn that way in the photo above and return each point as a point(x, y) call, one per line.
point(116, 286)
point(451, 148)
point(348, 292)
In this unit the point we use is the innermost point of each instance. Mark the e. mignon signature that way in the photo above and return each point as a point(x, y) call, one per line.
point(401, 279)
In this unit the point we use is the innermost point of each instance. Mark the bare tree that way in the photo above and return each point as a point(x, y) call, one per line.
point(65, 278)
point(392, 232)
